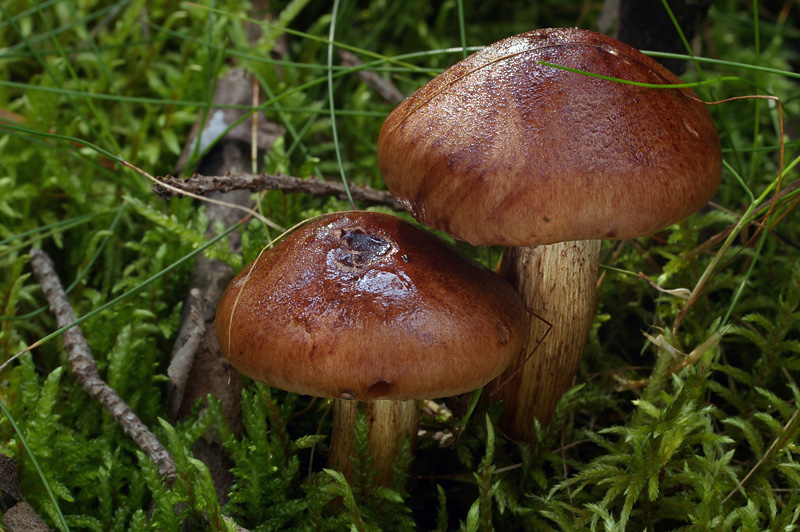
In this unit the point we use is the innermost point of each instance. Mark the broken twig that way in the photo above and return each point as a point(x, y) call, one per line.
point(84, 368)
point(203, 185)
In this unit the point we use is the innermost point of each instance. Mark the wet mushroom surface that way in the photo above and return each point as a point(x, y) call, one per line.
point(509, 147)
point(366, 306)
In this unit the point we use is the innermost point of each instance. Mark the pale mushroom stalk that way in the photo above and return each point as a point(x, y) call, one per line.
point(559, 282)
point(389, 423)
point(518, 145)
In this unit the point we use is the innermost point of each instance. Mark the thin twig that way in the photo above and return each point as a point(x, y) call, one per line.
point(85, 371)
point(385, 88)
point(203, 185)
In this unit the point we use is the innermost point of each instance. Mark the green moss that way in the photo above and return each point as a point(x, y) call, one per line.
point(648, 440)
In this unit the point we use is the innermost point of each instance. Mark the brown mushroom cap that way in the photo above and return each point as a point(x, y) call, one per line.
point(366, 306)
point(500, 149)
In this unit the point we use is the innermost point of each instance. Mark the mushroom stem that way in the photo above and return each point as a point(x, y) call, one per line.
point(557, 282)
point(389, 422)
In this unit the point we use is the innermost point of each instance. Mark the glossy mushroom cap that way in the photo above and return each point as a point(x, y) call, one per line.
point(502, 149)
point(366, 306)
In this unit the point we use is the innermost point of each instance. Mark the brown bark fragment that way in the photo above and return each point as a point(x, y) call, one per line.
point(22, 518)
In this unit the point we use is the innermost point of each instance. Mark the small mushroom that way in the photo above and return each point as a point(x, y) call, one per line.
point(504, 148)
point(362, 306)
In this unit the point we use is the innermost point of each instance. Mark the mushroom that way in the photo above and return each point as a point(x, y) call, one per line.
point(517, 146)
point(362, 306)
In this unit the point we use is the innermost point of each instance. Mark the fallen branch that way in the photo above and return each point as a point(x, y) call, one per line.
point(203, 185)
point(84, 368)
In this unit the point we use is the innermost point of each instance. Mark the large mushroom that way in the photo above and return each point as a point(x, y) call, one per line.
point(518, 146)
point(361, 306)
